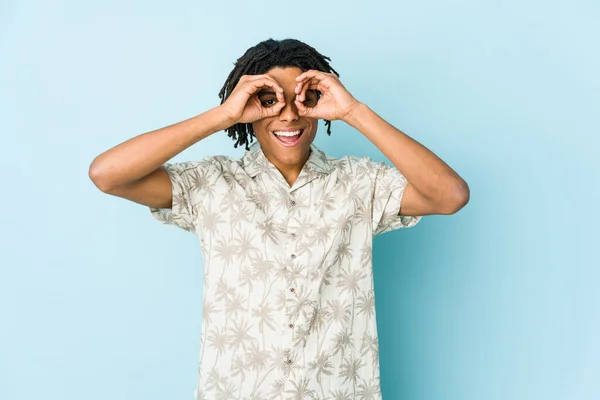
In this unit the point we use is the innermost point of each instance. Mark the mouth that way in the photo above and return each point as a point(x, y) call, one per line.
point(288, 141)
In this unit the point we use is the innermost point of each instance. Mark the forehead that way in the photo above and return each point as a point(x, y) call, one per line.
point(285, 75)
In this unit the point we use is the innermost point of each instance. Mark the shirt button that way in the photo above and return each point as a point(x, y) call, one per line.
point(288, 361)
point(291, 325)
point(293, 256)
point(293, 234)
point(292, 290)
point(293, 202)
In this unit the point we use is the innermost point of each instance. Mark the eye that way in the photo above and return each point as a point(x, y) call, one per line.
point(265, 103)
point(311, 97)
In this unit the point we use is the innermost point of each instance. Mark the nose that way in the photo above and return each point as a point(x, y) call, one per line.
point(289, 112)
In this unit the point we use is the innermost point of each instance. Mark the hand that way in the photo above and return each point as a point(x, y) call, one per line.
point(335, 101)
point(243, 104)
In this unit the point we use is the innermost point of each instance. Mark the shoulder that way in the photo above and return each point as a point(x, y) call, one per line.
point(214, 163)
point(207, 168)
point(358, 166)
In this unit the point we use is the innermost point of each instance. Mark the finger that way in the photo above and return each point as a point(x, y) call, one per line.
point(312, 73)
point(300, 79)
point(315, 84)
point(302, 109)
point(269, 111)
point(300, 84)
point(317, 87)
point(312, 84)
point(276, 109)
point(266, 81)
point(265, 76)
point(299, 90)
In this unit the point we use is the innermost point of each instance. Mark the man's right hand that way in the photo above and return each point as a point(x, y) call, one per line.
point(243, 104)
point(133, 169)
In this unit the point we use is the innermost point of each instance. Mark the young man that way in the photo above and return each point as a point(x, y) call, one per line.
point(285, 231)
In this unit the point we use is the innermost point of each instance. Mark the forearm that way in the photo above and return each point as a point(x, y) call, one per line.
point(139, 156)
point(429, 175)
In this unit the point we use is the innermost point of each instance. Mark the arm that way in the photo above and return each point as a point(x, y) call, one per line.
point(434, 187)
point(133, 169)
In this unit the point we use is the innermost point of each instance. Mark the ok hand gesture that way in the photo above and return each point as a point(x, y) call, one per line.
point(243, 104)
point(335, 101)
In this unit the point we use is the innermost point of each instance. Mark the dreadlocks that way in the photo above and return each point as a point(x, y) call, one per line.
point(261, 58)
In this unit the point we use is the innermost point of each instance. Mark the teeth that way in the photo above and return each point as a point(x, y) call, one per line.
point(282, 133)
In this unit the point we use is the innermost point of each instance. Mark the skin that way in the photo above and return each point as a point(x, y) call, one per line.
point(133, 169)
point(288, 160)
point(433, 187)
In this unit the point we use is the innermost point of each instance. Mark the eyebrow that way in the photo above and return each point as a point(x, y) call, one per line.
point(265, 92)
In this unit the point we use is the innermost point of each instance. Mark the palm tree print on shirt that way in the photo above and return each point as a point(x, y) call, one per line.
point(288, 302)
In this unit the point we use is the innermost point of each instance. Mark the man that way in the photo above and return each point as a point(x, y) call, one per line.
point(286, 231)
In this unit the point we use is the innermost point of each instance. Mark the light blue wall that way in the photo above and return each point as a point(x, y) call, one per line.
point(500, 301)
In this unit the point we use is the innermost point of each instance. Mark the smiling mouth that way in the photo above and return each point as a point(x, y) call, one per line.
point(288, 141)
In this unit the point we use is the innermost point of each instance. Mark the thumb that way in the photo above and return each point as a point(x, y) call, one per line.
point(302, 109)
point(276, 109)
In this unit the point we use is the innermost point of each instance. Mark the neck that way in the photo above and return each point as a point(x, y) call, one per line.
point(290, 172)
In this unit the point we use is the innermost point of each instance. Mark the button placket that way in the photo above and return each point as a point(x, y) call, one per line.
point(293, 225)
point(287, 360)
point(290, 326)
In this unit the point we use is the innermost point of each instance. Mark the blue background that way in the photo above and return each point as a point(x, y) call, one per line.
point(499, 301)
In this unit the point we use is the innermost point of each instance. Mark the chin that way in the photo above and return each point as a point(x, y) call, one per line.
point(290, 156)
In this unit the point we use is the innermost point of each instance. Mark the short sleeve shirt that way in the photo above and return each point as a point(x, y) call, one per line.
point(288, 301)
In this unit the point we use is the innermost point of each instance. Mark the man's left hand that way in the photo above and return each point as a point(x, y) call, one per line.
point(335, 101)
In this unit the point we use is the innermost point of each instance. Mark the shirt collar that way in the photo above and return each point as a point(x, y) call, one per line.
point(254, 161)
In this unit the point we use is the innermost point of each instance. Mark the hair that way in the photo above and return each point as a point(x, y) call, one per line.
point(261, 58)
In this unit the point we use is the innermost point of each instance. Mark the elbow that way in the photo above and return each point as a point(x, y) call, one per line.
point(98, 177)
point(460, 196)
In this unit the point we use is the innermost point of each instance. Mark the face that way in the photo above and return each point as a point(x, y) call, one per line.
point(282, 155)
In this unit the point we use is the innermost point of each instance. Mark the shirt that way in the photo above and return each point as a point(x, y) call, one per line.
point(288, 304)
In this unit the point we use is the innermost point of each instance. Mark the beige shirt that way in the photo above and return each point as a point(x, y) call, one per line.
point(289, 307)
